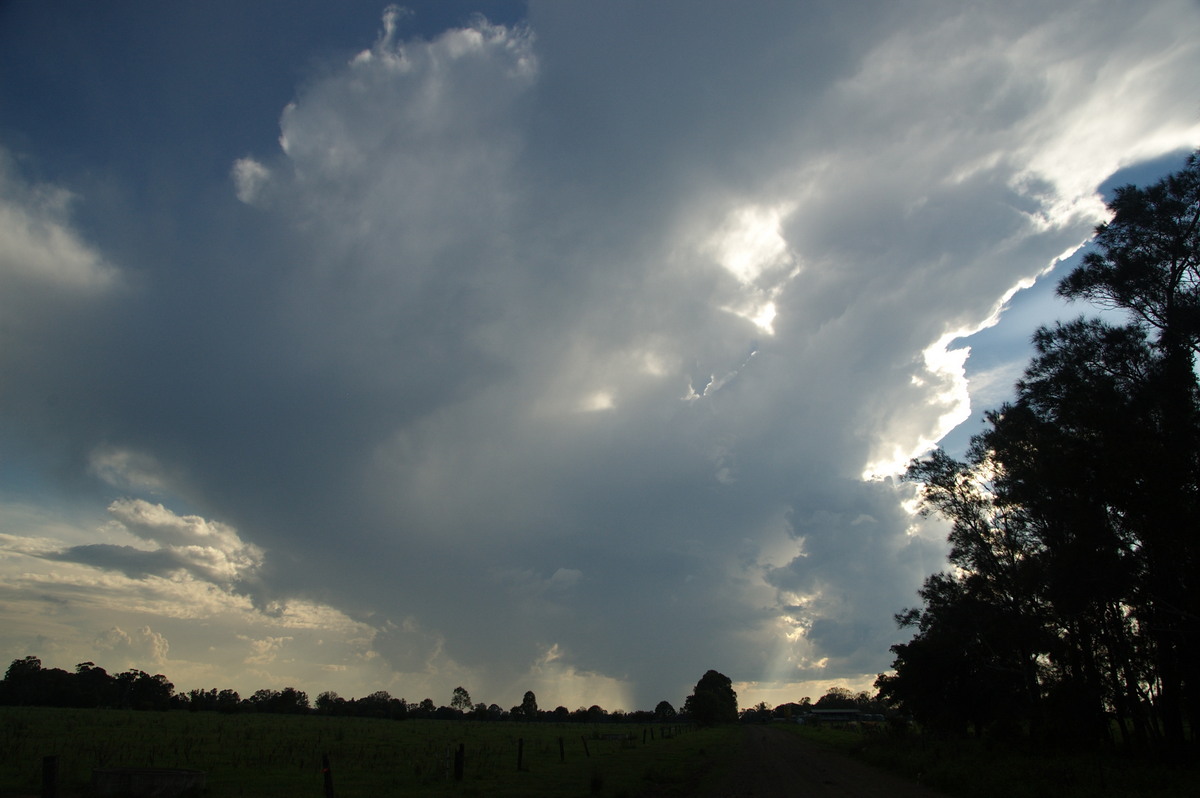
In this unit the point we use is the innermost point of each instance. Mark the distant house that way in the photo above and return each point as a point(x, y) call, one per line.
point(833, 716)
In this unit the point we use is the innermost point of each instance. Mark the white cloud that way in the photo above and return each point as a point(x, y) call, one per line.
point(124, 468)
point(211, 550)
point(249, 178)
point(264, 651)
point(38, 248)
point(139, 650)
point(47, 270)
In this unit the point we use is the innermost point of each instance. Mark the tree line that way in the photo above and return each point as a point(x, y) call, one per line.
point(1072, 611)
point(27, 683)
point(713, 700)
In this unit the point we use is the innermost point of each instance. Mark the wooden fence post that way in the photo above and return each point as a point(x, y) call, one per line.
point(520, 753)
point(459, 757)
point(562, 751)
point(586, 752)
point(328, 774)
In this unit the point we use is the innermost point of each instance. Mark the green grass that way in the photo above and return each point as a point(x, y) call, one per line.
point(274, 755)
point(974, 768)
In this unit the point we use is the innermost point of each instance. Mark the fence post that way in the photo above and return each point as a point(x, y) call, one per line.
point(50, 777)
point(520, 753)
point(328, 774)
point(459, 757)
point(586, 752)
point(562, 751)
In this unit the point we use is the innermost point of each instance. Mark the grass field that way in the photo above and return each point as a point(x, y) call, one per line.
point(280, 755)
point(974, 768)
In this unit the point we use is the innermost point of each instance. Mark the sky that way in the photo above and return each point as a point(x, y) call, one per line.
point(573, 347)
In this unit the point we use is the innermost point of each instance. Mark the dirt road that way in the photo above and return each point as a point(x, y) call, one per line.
point(776, 763)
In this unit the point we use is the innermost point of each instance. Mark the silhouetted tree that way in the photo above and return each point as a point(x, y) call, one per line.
point(529, 707)
point(1147, 261)
point(792, 709)
point(21, 681)
point(228, 701)
point(713, 700)
point(330, 703)
point(1075, 598)
point(137, 689)
point(664, 711)
point(461, 700)
point(262, 699)
point(292, 701)
point(27, 683)
point(94, 685)
point(836, 698)
point(960, 671)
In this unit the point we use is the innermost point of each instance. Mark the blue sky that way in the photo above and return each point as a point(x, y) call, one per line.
point(570, 347)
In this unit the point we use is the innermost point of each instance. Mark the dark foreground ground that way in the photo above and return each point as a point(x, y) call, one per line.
point(777, 763)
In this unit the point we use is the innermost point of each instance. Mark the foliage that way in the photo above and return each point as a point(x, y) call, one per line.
point(27, 683)
point(1074, 599)
point(461, 700)
point(713, 700)
point(529, 705)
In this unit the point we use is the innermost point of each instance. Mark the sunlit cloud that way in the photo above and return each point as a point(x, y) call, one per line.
point(566, 351)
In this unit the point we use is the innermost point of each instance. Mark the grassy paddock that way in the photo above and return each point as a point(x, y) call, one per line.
point(278, 755)
point(986, 769)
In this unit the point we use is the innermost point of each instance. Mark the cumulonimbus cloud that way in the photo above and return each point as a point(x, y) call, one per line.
point(552, 352)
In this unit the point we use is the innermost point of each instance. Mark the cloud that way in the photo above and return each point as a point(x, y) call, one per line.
point(42, 257)
point(266, 650)
point(206, 550)
point(52, 602)
point(552, 356)
point(125, 468)
point(143, 647)
point(51, 279)
point(249, 177)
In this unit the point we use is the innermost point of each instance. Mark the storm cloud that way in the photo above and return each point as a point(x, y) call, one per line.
point(575, 351)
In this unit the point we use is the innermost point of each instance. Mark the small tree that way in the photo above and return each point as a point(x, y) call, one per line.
point(330, 703)
point(529, 705)
point(461, 700)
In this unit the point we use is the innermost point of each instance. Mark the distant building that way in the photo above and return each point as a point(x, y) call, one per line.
point(833, 716)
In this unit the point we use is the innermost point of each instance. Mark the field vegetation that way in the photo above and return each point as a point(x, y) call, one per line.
point(987, 768)
point(259, 754)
